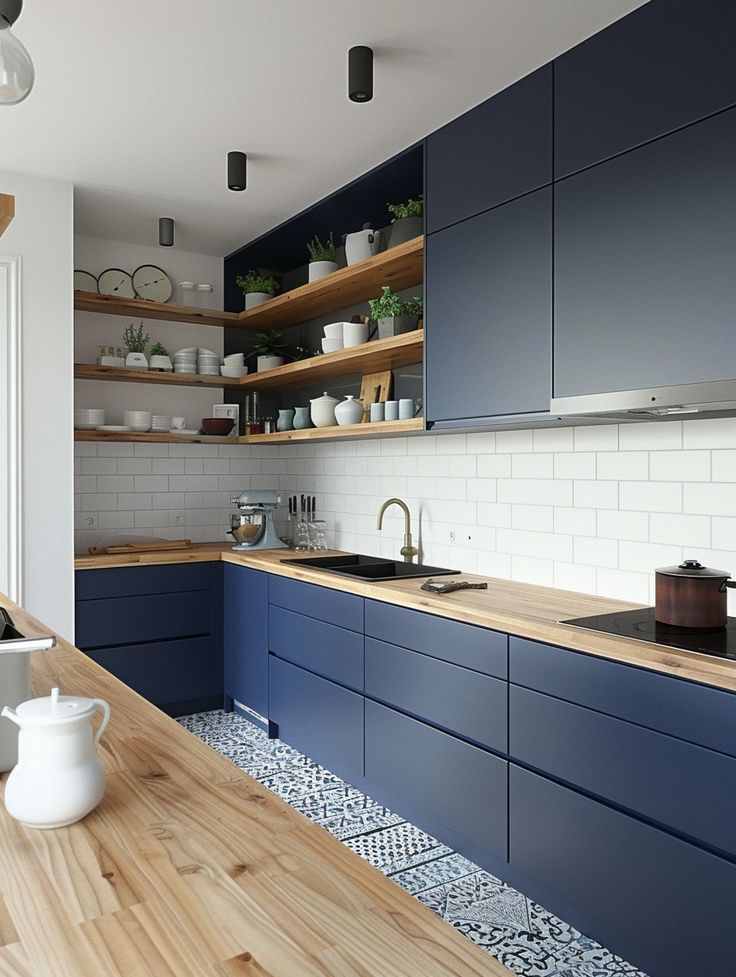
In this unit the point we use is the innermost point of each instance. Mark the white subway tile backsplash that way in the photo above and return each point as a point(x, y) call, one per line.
point(115, 483)
point(724, 532)
point(99, 466)
point(646, 557)
point(623, 465)
point(117, 520)
point(534, 517)
point(543, 545)
point(680, 530)
point(713, 433)
point(146, 450)
point(651, 436)
point(575, 576)
point(623, 585)
point(534, 491)
point(686, 466)
point(493, 466)
point(590, 494)
point(526, 569)
point(554, 439)
point(651, 496)
point(574, 464)
point(136, 466)
point(715, 499)
point(595, 552)
point(513, 441)
point(537, 465)
point(134, 500)
point(576, 522)
point(724, 466)
point(603, 438)
point(622, 525)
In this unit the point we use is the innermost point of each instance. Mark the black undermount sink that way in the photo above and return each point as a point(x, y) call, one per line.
point(370, 567)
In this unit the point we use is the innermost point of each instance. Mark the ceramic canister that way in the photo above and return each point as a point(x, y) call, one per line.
point(286, 419)
point(323, 410)
point(349, 411)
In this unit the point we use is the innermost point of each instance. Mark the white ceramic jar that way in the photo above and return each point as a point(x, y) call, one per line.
point(349, 411)
point(322, 410)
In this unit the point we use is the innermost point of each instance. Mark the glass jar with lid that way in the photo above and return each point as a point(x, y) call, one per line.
point(186, 294)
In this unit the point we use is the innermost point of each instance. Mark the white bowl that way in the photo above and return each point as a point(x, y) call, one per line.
point(233, 371)
point(86, 419)
point(188, 368)
point(331, 345)
point(188, 351)
point(234, 358)
point(334, 330)
point(354, 334)
point(160, 422)
point(137, 420)
point(207, 352)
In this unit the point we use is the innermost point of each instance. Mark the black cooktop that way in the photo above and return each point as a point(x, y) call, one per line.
point(640, 624)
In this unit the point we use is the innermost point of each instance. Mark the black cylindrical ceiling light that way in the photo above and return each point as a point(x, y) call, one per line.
point(166, 232)
point(360, 74)
point(236, 170)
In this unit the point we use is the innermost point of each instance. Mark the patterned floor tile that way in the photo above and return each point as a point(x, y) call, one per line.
point(435, 873)
point(397, 848)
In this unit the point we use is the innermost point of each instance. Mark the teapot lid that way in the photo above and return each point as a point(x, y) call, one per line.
point(55, 708)
point(325, 396)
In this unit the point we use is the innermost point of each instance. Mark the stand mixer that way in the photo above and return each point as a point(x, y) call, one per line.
point(252, 528)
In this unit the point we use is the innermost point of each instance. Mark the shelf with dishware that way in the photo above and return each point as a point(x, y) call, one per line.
point(90, 371)
point(153, 437)
point(145, 309)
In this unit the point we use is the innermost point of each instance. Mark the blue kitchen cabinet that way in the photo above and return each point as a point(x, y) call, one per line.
point(157, 628)
point(322, 648)
point(664, 66)
point(644, 288)
point(322, 603)
point(498, 150)
point(663, 904)
point(488, 319)
point(245, 637)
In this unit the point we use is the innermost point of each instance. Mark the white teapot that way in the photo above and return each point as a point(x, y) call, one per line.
point(59, 778)
point(322, 410)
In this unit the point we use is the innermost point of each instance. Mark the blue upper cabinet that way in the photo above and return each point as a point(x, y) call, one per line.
point(488, 321)
point(246, 637)
point(491, 154)
point(667, 64)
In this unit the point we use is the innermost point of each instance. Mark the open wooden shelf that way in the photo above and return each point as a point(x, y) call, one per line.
point(380, 429)
point(398, 267)
point(382, 354)
point(89, 371)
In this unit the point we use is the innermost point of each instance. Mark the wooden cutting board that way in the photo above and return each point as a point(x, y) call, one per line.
point(172, 544)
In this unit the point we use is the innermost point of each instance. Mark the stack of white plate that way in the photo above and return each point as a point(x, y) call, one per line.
point(185, 360)
point(161, 422)
point(138, 420)
point(208, 363)
point(88, 419)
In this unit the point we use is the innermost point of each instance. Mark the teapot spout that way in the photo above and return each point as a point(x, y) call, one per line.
point(10, 714)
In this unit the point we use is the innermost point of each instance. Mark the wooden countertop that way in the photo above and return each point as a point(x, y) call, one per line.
point(190, 868)
point(520, 609)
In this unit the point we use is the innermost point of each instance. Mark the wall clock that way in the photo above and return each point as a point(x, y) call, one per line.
point(84, 281)
point(152, 283)
point(115, 281)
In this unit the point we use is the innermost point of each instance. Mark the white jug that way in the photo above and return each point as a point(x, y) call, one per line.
point(361, 245)
point(59, 778)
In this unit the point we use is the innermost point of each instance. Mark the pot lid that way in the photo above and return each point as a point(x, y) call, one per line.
point(325, 399)
point(55, 708)
point(691, 568)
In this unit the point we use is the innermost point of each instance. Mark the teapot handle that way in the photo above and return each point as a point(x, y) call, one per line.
point(101, 704)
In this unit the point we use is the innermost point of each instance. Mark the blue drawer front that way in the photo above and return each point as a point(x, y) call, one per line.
point(317, 717)
point(332, 606)
point(684, 787)
point(461, 644)
point(671, 705)
point(453, 783)
point(129, 620)
point(164, 672)
point(455, 698)
point(141, 580)
point(657, 901)
point(334, 653)
point(245, 629)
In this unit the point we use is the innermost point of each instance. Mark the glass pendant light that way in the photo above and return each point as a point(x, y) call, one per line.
point(16, 67)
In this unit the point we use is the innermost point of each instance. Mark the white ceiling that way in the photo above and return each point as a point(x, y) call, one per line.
point(138, 103)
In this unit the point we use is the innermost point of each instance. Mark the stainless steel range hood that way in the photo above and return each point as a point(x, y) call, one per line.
point(716, 398)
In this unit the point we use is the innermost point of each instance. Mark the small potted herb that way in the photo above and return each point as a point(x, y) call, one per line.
point(321, 257)
point(159, 359)
point(136, 341)
point(395, 315)
point(406, 220)
point(270, 349)
point(257, 288)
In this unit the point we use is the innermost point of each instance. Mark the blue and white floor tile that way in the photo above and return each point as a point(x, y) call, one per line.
point(524, 936)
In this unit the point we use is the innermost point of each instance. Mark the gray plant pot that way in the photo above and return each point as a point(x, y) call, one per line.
point(396, 325)
point(405, 229)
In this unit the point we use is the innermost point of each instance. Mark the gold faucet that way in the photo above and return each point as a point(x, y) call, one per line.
point(408, 550)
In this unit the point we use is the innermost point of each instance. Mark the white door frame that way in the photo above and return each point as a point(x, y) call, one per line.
point(11, 534)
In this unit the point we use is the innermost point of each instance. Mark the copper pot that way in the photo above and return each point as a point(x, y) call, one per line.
point(692, 596)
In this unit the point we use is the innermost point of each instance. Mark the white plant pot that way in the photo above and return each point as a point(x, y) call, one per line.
point(252, 299)
point(162, 363)
point(136, 361)
point(269, 363)
point(318, 269)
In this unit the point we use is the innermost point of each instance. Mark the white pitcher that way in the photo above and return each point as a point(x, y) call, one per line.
point(361, 245)
point(59, 778)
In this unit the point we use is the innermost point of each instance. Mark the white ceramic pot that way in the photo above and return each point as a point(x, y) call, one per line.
point(354, 334)
point(349, 411)
point(361, 245)
point(322, 410)
point(59, 778)
point(269, 363)
point(136, 361)
point(162, 363)
point(252, 299)
point(318, 269)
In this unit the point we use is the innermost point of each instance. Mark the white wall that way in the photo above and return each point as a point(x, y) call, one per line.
point(42, 233)
point(92, 330)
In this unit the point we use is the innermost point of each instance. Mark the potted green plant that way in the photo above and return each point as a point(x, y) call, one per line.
point(395, 315)
point(321, 257)
point(159, 359)
point(270, 349)
point(257, 288)
point(136, 341)
point(406, 220)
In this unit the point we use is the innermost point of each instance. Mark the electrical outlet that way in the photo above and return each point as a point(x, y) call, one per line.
point(453, 536)
point(90, 521)
point(177, 518)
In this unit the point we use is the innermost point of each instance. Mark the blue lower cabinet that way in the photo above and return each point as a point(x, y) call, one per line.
point(322, 603)
point(664, 905)
point(157, 617)
point(459, 700)
point(455, 790)
point(175, 675)
point(321, 719)
point(682, 787)
point(331, 652)
point(134, 581)
point(245, 637)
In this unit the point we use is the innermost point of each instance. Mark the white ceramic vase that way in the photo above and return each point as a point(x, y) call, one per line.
point(318, 269)
point(349, 411)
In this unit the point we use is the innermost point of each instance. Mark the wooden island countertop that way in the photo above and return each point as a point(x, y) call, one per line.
point(190, 868)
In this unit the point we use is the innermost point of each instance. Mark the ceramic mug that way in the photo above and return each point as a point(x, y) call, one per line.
point(177, 423)
point(392, 410)
point(377, 412)
point(406, 408)
point(286, 420)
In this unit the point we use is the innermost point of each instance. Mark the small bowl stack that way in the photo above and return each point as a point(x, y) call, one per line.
point(138, 420)
point(161, 423)
point(208, 363)
point(234, 366)
point(88, 419)
point(185, 360)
